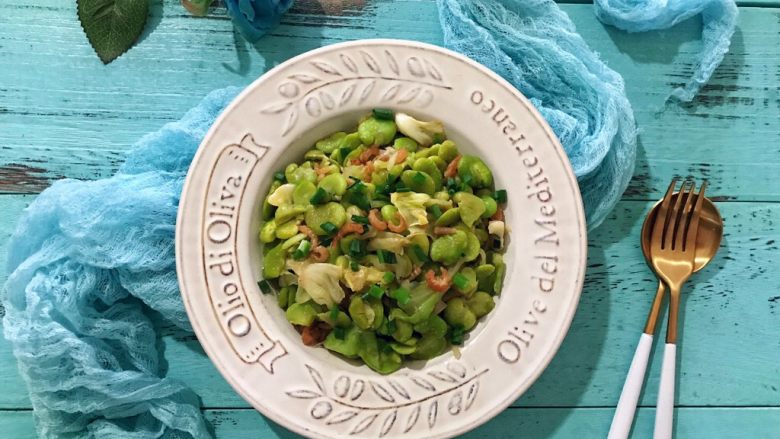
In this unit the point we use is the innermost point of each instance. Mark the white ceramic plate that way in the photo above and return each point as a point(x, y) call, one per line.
point(272, 123)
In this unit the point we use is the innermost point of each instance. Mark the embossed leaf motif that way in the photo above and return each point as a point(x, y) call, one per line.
point(433, 411)
point(348, 62)
point(399, 389)
point(387, 424)
point(304, 394)
point(369, 87)
point(327, 100)
point(346, 95)
point(471, 394)
point(456, 368)
point(341, 417)
point(370, 62)
point(363, 424)
point(411, 420)
point(292, 119)
point(276, 108)
point(304, 78)
point(456, 403)
point(382, 392)
point(422, 382)
point(433, 72)
point(410, 95)
point(389, 400)
point(443, 376)
point(316, 378)
point(326, 67)
point(391, 92)
point(392, 62)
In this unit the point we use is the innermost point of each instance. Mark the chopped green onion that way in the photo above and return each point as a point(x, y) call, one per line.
point(384, 113)
point(402, 295)
point(418, 251)
point(344, 152)
point(375, 291)
point(386, 257)
point(355, 183)
point(460, 281)
point(356, 248)
point(360, 219)
point(418, 178)
point(326, 241)
point(388, 277)
point(329, 227)
point(302, 251)
point(391, 326)
point(400, 188)
point(339, 332)
point(456, 334)
point(334, 313)
point(265, 287)
point(354, 266)
point(279, 176)
point(500, 196)
point(436, 211)
point(319, 197)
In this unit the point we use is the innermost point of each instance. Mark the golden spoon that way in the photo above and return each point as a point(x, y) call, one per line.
point(707, 243)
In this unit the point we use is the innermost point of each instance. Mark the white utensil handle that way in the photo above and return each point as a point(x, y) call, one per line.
point(624, 413)
point(664, 413)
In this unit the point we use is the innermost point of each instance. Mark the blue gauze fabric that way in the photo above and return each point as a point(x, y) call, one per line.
point(91, 263)
point(719, 20)
point(254, 18)
point(92, 269)
point(533, 44)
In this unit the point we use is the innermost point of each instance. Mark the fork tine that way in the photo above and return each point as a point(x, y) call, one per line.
point(674, 218)
point(661, 217)
point(693, 224)
point(684, 221)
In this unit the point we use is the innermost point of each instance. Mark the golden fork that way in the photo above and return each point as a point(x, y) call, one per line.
point(674, 215)
point(672, 248)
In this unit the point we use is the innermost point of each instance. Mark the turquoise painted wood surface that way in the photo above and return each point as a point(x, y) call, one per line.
point(64, 114)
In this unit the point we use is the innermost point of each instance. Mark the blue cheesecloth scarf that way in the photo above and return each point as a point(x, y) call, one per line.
point(92, 267)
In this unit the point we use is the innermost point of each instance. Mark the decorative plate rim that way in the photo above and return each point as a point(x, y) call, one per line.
point(567, 310)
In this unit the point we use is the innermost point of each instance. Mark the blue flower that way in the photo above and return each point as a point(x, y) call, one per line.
point(256, 17)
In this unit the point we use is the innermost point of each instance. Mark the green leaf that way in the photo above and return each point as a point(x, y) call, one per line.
point(112, 26)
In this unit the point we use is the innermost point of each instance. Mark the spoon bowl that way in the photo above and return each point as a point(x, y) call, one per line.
point(707, 240)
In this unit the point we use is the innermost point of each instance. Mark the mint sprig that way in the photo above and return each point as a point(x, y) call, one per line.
point(112, 26)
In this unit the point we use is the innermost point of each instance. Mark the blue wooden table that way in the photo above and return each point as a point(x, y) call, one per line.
point(64, 114)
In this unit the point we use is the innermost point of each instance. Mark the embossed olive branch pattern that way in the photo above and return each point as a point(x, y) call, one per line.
point(411, 83)
point(344, 405)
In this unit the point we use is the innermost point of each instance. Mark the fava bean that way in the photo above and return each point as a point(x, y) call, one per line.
point(295, 173)
point(447, 150)
point(273, 262)
point(268, 232)
point(418, 181)
point(474, 171)
point(480, 303)
point(448, 217)
point(330, 143)
point(458, 313)
point(429, 167)
point(334, 184)
point(449, 248)
point(374, 131)
point(490, 206)
point(405, 143)
point(331, 212)
point(302, 314)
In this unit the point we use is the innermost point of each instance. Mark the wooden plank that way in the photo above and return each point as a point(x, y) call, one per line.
point(64, 114)
point(691, 423)
point(730, 317)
